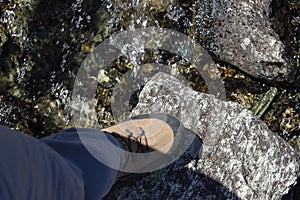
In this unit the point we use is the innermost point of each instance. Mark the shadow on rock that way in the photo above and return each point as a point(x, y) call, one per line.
point(173, 182)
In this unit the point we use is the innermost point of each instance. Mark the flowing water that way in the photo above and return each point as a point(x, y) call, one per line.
point(45, 42)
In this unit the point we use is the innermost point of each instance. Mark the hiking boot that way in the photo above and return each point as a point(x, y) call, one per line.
point(152, 141)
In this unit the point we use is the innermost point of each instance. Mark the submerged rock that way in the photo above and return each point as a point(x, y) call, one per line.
point(244, 155)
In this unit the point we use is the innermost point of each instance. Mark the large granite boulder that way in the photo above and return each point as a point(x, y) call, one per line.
point(241, 159)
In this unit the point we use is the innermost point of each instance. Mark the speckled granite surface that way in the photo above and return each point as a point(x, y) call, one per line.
point(245, 38)
point(238, 32)
point(245, 159)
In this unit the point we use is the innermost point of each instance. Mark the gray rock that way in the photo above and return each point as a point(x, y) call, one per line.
point(236, 32)
point(239, 151)
point(245, 38)
point(49, 39)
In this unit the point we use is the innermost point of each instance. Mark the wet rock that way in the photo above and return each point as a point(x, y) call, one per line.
point(239, 152)
point(285, 17)
point(37, 46)
point(50, 39)
point(19, 115)
point(236, 32)
point(245, 38)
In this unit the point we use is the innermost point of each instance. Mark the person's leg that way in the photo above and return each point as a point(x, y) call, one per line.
point(69, 158)
point(98, 178)
point(29, 169)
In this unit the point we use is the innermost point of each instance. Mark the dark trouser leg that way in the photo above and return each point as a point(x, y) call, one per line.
point(29, 169)
point(98, 178)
